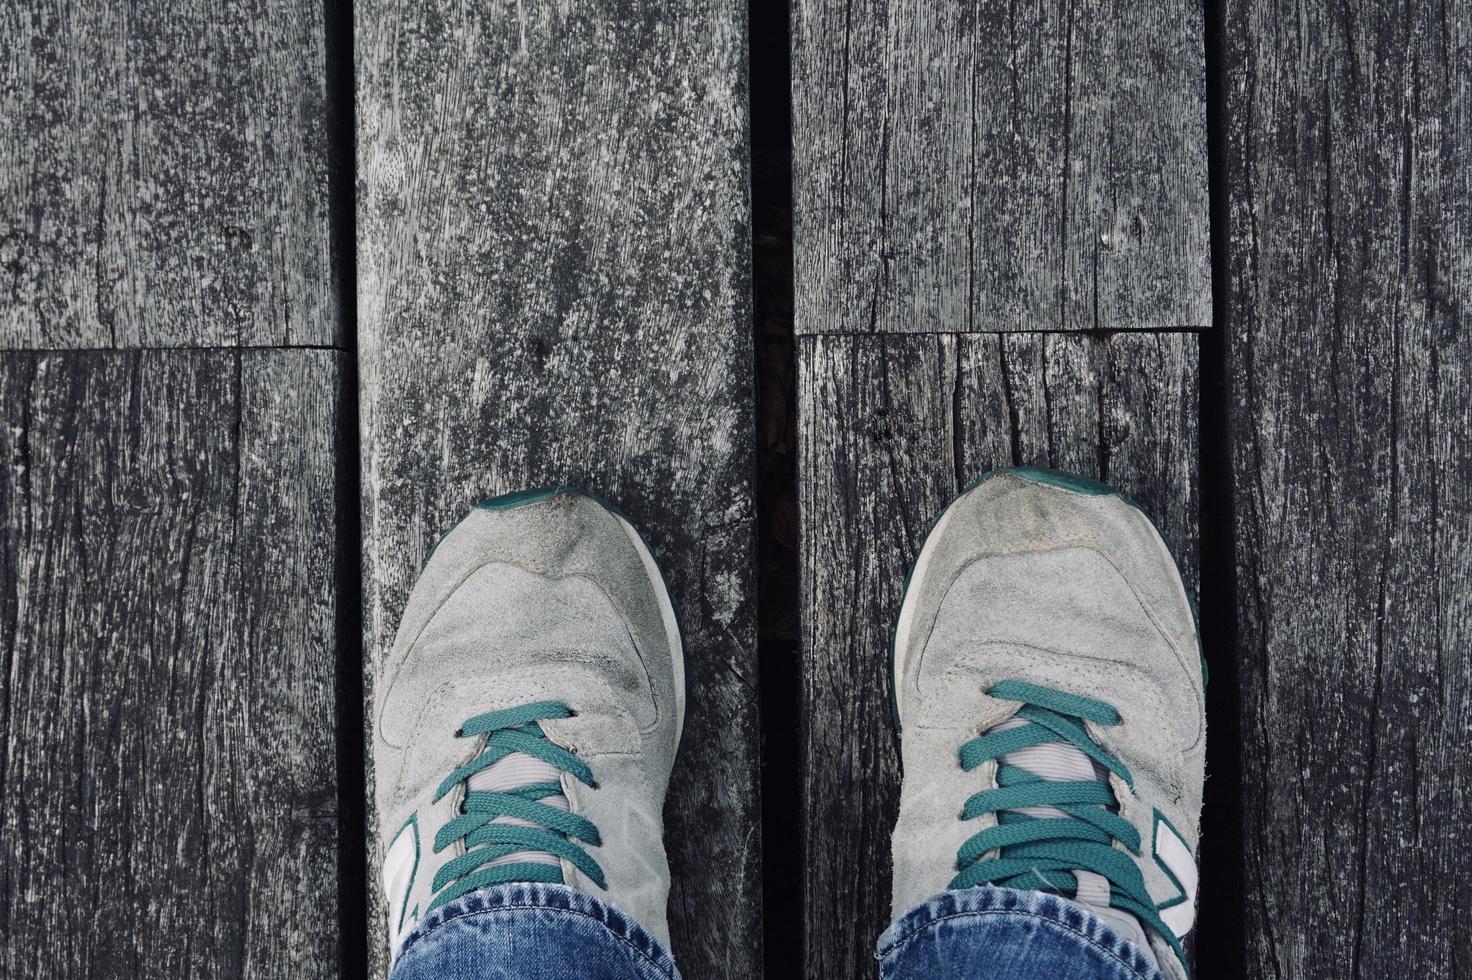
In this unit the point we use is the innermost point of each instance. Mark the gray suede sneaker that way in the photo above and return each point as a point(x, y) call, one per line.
point(528, 717)
point(1051, 696)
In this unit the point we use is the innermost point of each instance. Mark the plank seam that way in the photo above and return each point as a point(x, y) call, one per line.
point(182, 348)
point(1025, 332)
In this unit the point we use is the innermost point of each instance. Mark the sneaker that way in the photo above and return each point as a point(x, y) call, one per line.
point(1050, 692)
point(528, 717)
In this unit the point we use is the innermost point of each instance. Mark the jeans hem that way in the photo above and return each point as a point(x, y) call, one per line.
point(548, 898)
point(985, 901)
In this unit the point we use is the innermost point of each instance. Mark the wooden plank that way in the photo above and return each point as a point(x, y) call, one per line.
point(1349, 128)
point(164, 175)
point(980, 167)
point(168, 620)
point(891, 429)
point(554, 287)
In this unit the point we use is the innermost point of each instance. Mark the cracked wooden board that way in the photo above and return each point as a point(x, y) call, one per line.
point(1349, 129)
point(554, 288)
point(990, 167)
point(164, 175)
point(169, 622)
point(891, 429)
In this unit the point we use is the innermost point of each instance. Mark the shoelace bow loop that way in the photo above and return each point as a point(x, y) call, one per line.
point(508, 731)
point(1041, 853)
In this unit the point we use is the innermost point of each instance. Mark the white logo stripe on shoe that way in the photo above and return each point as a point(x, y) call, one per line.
point(1174, 857)
point(400, 865)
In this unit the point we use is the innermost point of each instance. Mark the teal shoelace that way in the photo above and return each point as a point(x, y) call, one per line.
point(1040, 853)
point(513, 730)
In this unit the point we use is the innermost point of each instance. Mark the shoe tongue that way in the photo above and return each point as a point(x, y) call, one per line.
point(513, 772)
point(1061, 762)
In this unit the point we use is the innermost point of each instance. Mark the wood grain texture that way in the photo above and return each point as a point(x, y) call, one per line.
point(164, 175)
point(167, 617)
point(891, 429)
point(1348, 138)
point(988, 167)
point(554, 288)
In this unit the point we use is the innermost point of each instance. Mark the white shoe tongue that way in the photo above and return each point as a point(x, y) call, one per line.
point(1060, 762)
point(513, 772)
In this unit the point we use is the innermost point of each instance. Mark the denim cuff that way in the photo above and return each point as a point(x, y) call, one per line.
point(1071, 921)
point(540, 896)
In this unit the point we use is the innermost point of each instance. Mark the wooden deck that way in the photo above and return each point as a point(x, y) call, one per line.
point(284, 287)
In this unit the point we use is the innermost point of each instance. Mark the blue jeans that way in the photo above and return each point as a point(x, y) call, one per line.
point(549, 932)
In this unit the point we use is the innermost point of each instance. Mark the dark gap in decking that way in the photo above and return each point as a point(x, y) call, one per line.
point(352, 871)
point(778, 638)
point(1220, 918)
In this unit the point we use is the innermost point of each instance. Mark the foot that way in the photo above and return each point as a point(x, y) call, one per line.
point(1051, 697)
point(527, 720)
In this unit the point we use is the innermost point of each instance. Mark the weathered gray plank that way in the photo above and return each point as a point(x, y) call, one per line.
point(1349, 136)
point(164, 175)
point(554, 287)
point(167, 617)
point(980, 167)
point(891, 428)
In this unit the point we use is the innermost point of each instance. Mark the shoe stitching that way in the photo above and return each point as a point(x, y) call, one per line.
point(396, 664)
point(1150, 615)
